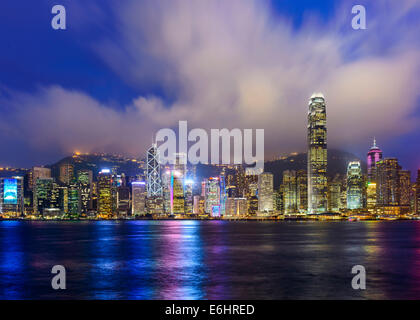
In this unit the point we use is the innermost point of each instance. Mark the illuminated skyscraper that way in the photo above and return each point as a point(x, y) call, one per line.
point(66, 173)
point(387, 188)
point(317, 154)
point(265, 192)
point(138, 191)
point(84, 181)
point(189, 184)
point(405, 187)
point(302, 189)
point(42, 194)
point(354, 186)
point(236, 207)
point(290, 192)
point(417, 194)
point(123, 201)
point(212, 197)
point(37, 172)
point(177, 187)
point(374, 155)
point(74, 200)
point(154, 184)
point(105, 194)
point(11, 197)
point(371, 197)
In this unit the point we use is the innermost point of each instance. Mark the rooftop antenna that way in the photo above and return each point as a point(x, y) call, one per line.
point(374, 142)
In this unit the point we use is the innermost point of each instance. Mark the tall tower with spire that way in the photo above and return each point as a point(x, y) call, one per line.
point(374, 155)
point(317, 154)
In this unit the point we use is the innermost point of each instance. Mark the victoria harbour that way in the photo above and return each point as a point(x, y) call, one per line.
point(209, 259)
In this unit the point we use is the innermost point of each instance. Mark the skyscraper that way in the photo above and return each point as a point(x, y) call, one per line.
point(265, 192)
point(38, 172)
point(42, 195)
point(302, 189)
point(417, 194)
point(374, 155)
point(290, 192)
point(138, 191)
point(354, 185)
point(317, 154)
point(105, 194)
point(66, 173)
point(154, 184)
point(393, 188)
point(11, 197)
point(212, 197)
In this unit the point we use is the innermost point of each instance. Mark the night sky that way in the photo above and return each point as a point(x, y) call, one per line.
point(124, 69)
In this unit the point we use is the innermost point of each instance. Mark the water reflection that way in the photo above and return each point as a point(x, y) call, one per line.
point(11, 260)
point(209, 259)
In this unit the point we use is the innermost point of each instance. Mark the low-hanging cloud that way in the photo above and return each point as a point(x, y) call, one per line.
point(234, 64)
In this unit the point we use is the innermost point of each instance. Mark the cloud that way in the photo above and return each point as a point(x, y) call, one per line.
point(236, 64)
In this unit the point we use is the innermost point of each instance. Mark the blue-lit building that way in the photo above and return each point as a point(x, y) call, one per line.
point(11, 197)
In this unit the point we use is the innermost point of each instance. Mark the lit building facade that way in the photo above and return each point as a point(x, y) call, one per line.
point(153, 175)
point(236, 207)
point(212, 197)
point(66, 173)
point(374, 155)
point(417, 194)
point(354, 186)
point(11, 197)
point(290, 192)
point(317, 155)
point(42, 195)
point(265, 192)
point(138, 195)
point(105, 194)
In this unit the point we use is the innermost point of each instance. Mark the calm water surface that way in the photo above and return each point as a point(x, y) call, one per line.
point(209, 259)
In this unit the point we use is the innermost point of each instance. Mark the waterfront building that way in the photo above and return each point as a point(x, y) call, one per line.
point(73, 201)
point(374, 155)
point(138, 193)
point(252, 205)
point(189, 185)
point(42, 195)
point(105, 196)
point(335, 194)
point(153, 174)
point(317, 155)
point(371, 197)
point(354, 185)
point(392, 185)
point(405, 187)
point(123, 201)
point(265, 192)
point(11, 197)
point(290, 192)
point(417, 194)
point(212, 197)
point(302, 191)
point(236, 207)
point(177, 187)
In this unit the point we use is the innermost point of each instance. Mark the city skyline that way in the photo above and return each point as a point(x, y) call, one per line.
point(100, 98)
point(161, 190)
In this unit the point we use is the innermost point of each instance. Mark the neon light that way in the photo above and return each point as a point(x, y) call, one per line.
point(10, 191)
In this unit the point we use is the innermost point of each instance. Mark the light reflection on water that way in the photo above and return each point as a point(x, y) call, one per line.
point(209, 259)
